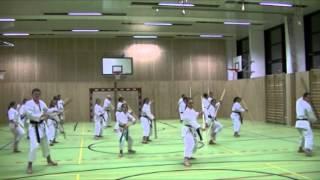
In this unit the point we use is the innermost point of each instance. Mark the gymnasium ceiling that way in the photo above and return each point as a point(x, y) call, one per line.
point(122, 18)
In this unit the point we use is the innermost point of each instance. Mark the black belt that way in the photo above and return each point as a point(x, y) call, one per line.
point(239, 113)
point(149, 120)
point(302, 119)
point(189, 126)
point(36, 124)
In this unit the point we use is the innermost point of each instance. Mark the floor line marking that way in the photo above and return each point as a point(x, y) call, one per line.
point(287, 171)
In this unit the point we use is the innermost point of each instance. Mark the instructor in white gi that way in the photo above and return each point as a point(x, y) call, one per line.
point(305, 116)
point(36, 112)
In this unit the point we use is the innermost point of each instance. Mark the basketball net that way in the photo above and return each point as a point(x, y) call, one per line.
point(117, 75)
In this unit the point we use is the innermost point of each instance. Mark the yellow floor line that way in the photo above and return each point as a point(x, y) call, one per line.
point(286, 170)
point(81, 150)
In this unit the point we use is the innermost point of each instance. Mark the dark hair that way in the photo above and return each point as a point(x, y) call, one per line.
point(120, 99)
point(11, 104)
point(145, 100)
point(35, 90)
point(236, 99)
point(306, 94)
point(183, 95)
point(52, 103)
point(213, 100)
point(205, 95)
point(55, 98)
point(24, 100)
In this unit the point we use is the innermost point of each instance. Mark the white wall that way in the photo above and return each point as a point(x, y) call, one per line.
point(257, 52)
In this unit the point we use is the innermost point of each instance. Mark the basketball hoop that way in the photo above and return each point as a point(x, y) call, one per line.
point(2, 74)
point(117, 71)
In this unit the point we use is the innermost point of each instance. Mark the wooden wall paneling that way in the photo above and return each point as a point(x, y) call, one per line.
point(199, 52)
point(6, 55)
point(25, 65)
point(181, 59)
point(162, 99)
point(66, 45)
point(163, 61)
point(85, 66)
point(218, 67)
point(47, 45)
point(253, 95)
point(315, 92)
point(275, 103)
point(66, 66)
point(47, 66)
point(85, 45)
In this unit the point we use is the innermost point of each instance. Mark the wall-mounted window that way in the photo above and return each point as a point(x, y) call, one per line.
point(275, 49)
point(244, 51)
point(312, 39)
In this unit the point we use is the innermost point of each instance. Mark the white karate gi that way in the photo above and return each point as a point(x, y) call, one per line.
point(98, 120)
point(189, 133)
point(123, 133)
point(107, 115)
point(60, 105)
point(205, 103)
point(215, 126)
point(15, 125)
point(146, 119)
point(34, 112)
point(182, 108)
point(52, 123)
point(235, 117)
point(305, 114)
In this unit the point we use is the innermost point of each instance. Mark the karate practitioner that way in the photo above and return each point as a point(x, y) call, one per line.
point(305, 116)
point(211, 121)
point(53, 122)
point(190, 130)
point(146, 120)
point(37, 114)
point(182, 107)
point(236, 116)
point(60, 105)
point(107, 105)
point(16, 126)
point(98, 119)
point(23, 116)
point(123, 119)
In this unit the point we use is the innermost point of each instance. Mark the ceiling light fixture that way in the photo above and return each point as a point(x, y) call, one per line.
point(237, 23)
point(211, 36)
point(157, 24)
point(176, 4)
point(84, 14)
point(243, 8)
point(15, 34)
point(144, 37)
point(85, 30)
point(7, 20)
point(278, 4)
